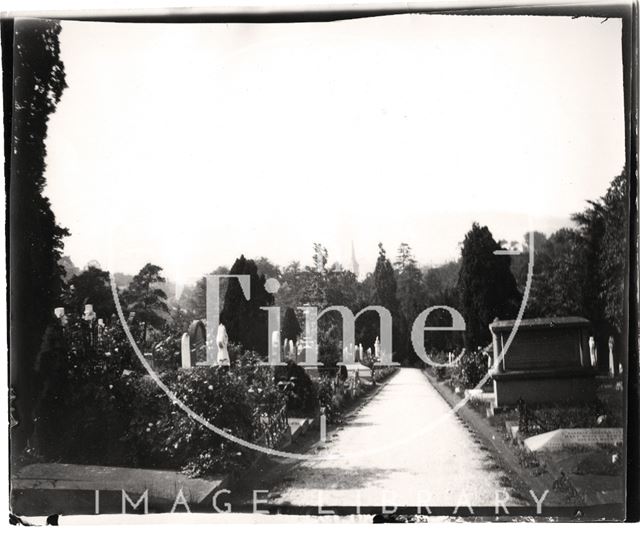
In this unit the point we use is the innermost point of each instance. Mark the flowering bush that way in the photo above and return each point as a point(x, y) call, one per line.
point(237, 399)
point(470, 369)
point(99, 406)
point(161, 434)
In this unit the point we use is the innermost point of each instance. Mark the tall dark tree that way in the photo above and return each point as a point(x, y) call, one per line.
point(384, 279)
point(246, 323)
point(35, 243)
point(380, 289)
point(144, 298)
point(291, 328)
point(486, 286)
point(603, 229)
point(411, 297)
point(441, 288)
point(91, 286)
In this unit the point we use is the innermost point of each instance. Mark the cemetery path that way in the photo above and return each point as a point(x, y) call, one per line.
point(443, 465)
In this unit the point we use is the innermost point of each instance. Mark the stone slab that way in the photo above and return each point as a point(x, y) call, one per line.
point(564, 438)
point(299, 426)
point(161, 484)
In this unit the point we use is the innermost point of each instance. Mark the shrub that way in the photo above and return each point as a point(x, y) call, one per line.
point(99, 407)
point(163, 435)
point(86, 395)
point(299, 388)
point(470, 370)
point(330, 400)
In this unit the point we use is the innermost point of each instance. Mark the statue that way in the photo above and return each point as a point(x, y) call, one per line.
point(222, 340)
point(376, 347)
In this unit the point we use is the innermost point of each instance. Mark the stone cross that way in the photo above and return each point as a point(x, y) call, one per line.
point(185, 351)
point(222, 340)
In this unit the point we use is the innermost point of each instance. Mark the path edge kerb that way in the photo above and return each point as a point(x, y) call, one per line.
point(498, 449)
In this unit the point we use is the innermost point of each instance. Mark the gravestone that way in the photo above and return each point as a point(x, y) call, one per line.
point(198, 343)
point(593, 352)
point(612, 364)
point(548, 361)
point(185, 351)
point(566, 438)
point(292, 351)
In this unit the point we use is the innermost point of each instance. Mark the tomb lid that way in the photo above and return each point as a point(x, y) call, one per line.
point(541, 323)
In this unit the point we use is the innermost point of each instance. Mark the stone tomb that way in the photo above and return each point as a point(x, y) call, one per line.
point(548, 361)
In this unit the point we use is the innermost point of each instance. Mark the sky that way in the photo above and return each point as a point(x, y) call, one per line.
point(188, 145)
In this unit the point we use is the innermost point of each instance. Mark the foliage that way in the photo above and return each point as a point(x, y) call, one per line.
point(91, 286)
point(486, 286)
point(470, 369)
point(290, 326)
point(580, 271)
point(330, 401)
point(100, 407)
point(195, 301)
point(552, 417)
point(299, 388)
point(35, 273)
point(246, 323)
point(146, 300)
point(162, 435)
point(411, 296)
point(85, 378)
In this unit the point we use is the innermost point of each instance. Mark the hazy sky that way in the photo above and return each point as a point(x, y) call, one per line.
point(187, 145)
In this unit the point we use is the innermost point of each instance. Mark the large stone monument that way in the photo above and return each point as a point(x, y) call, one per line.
point(548, 361)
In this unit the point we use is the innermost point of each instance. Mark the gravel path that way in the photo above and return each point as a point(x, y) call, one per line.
point(442, 467)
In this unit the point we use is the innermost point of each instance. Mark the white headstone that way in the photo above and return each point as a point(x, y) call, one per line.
point(88, 312)
point(185, 351)
point(592, 352)
point(275, 344)
point(222, 340)
point(612, 364)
